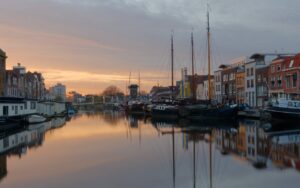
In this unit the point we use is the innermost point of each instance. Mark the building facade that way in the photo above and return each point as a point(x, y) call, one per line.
point(2, 72)
point(59, 92)
point(291, 81)
point(262, 91)
point(218, 85)
point(240, 85)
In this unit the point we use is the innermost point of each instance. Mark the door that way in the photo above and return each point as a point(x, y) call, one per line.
point(5, 111)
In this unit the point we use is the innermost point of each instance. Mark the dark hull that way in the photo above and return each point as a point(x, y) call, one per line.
point(171, 112)
point(211, 113)
point(136, 109)
point(284, 113)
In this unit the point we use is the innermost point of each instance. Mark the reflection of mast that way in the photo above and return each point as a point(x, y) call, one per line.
point(194, 163)
point(210, 161)
point(173, 149)
point(140, 135)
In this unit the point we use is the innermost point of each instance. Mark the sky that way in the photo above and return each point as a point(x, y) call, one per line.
point(91, 44)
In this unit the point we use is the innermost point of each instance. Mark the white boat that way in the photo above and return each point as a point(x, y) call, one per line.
point(285, 109)
point(32, 119)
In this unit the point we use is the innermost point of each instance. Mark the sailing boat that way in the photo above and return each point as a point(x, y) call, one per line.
point(170, 109)
point(207, 109)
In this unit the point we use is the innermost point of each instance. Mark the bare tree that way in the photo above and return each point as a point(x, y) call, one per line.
point(111, 91)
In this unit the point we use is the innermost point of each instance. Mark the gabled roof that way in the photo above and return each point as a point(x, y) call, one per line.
point(2, 53)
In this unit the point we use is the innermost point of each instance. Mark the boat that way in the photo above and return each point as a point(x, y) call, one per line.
point(135, 107)
point(285, 109)
point(165, 111)
point(71, 111)
point(207, 108)
point(35, 119)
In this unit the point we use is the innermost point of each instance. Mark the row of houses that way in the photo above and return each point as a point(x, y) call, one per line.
point(19, 83)
point(255, 80)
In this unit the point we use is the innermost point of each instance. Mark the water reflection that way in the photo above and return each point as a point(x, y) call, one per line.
point(17, 142)
point(161, 153)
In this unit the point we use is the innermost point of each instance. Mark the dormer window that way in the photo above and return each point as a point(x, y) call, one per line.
point(291, 63)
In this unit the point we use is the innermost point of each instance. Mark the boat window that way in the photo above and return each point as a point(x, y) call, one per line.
point(32, 105)
point(298, 105)
point(13, 107)
point(5, 142)
point(290, 104)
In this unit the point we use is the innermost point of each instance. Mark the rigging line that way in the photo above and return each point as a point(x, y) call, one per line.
point(218, 54)
point(162, 60)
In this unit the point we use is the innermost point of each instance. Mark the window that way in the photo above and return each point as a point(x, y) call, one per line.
point(287, 79)
point(252, 83)
point(5, 110)
point(13, 107)
point(273, 81)
point(272, 68)
point(279, 81)
point(32, 105)
point(248, 83)
point(278, 67)
point(265, 79)
point(5, 142)
point(259, 78)
point(21, 107)
point(295, 80)
point(25, 105)
point(252, 71)
point(291, 63)
point(248, 74)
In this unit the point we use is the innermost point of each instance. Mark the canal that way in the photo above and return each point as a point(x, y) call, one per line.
point(111, 150)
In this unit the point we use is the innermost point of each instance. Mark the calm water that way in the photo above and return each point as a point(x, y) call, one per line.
point(110, 150)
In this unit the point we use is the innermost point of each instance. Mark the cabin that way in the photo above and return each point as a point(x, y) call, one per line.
point(49, 108)
point(15, 107)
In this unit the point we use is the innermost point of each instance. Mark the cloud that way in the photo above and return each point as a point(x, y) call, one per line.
point(254, 13)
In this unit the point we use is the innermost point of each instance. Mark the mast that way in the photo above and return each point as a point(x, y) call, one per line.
point(208, 56)
point(172, 65)
point(193, 68)
point(139, 84)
